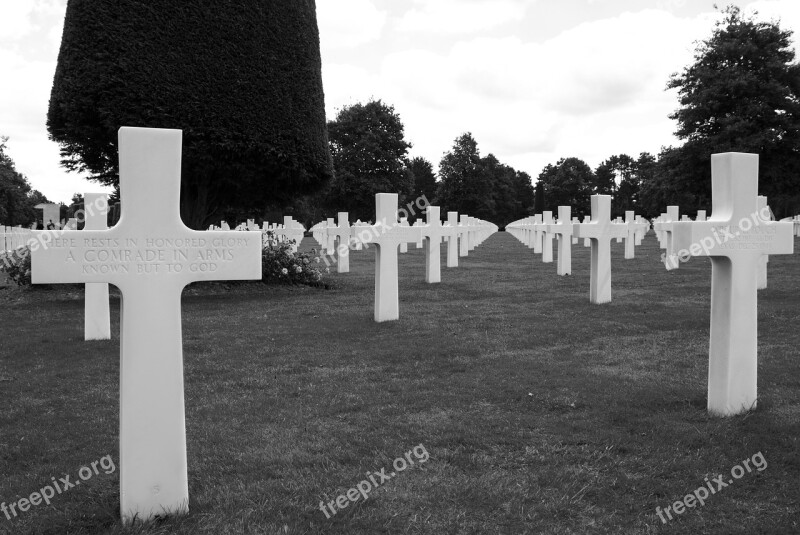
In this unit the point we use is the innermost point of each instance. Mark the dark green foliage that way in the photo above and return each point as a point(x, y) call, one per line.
point(741, 94)
point(621, 176)
point(369, 153)
point(539, 204)
point(568, 183)
point(242, 80)
point(17, 199)
point(482, 187)
point(424, 178)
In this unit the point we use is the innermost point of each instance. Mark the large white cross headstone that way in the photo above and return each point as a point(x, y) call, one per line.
point(736, 237)
point(150, 256)
point(600, 230)
point(387, 234)
point(97, 314)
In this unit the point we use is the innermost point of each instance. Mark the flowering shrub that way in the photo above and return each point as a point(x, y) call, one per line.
point(282, 266)
point(17, 265)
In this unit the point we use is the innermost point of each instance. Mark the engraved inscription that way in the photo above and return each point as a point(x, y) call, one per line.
point(145, 256)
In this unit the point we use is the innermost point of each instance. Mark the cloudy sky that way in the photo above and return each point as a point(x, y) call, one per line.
point(533, 80)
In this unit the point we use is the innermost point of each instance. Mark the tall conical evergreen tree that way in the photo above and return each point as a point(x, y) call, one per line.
point(241, 79)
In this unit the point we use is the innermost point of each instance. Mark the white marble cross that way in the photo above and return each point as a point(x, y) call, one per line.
point(419, 223)
point(340, 234)
point(586, 241)
point(630, 238)
point(403, 245)
point(387, 234)
point(538, 237)
point(763, 210)
point(563, 229)
point(433, 233)
point(547, 237)
point(96, 310)
point(463, 236)
point(330, 237)
point(150, 256)
point(736, 237)
point(671, 259)
point(452, 239)
point(600, 231)
point(575, 238)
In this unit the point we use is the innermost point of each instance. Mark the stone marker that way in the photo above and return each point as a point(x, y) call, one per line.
point(150, 256)
point(574, 238)
point(763, 209)
point(630, 238)
point(586, 241)
point(736, 238)
point(97, 313)
point(463, 236)
point(600, 231)
point(419, 223)
point(341, 234)
point(433, 233)
point(538, 238)
point(563, 229)
point(452, 240)
point(403, 245)
point(330, 237)
point(547, 237)
point(387, 234)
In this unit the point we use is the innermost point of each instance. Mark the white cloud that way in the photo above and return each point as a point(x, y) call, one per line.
point(349, 23)
point(15, 21)
point(461, 16)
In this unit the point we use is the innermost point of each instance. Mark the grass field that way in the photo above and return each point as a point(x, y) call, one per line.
point(539, 412)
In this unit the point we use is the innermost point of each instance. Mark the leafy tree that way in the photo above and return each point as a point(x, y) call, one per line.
point(742, 93)
point(466, 180)
point(369, 153)
point(242, 80)
point(424, 178)
point(17, 198)
point(625, 175)
point(568, 183)
point(539, 204)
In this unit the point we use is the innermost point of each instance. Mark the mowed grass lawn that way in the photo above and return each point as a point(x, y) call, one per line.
point(540, 412)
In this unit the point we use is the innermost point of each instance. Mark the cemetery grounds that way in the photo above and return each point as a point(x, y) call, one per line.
point(540, 413)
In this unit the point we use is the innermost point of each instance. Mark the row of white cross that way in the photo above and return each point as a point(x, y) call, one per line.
point(389, 234)
point(537, 232)
point(150, 256)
